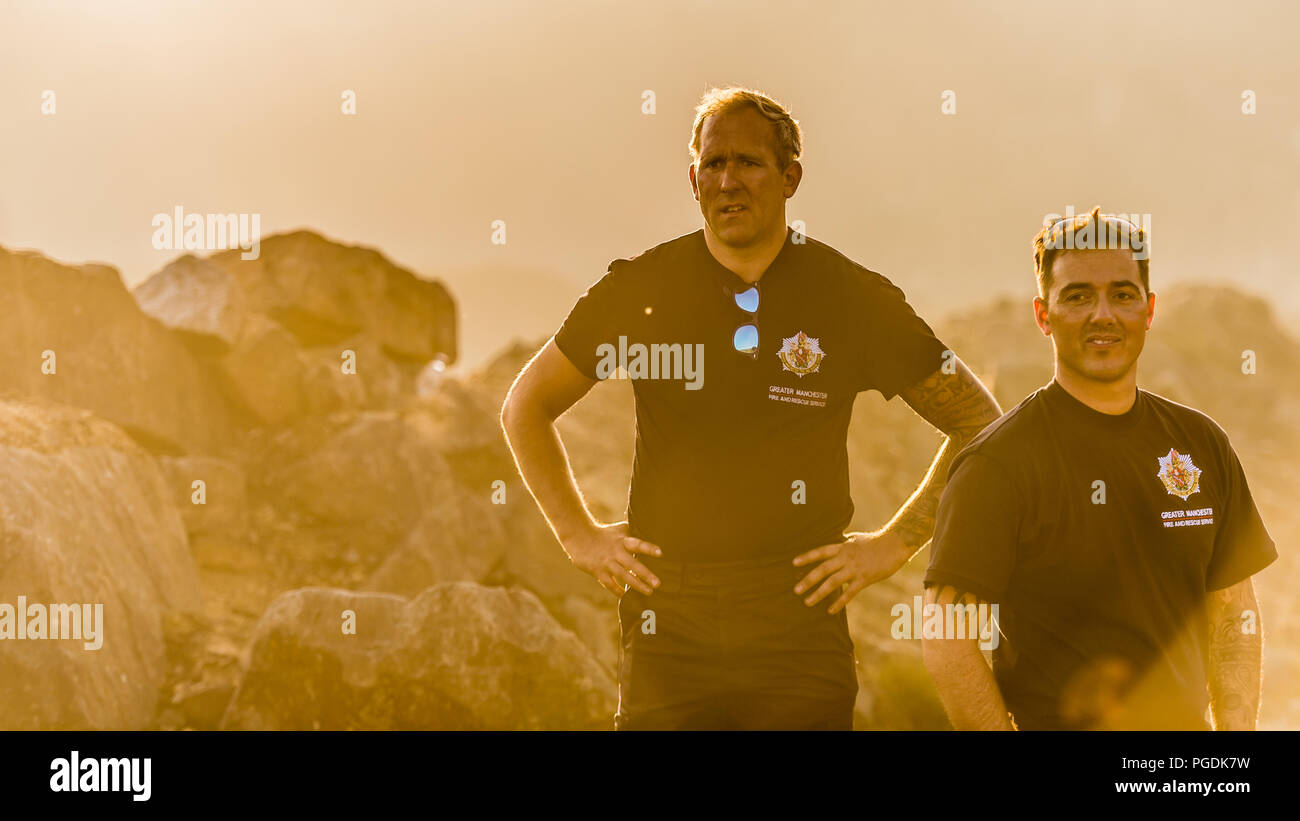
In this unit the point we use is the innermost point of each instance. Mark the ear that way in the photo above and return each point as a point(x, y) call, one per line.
point(793, 176)
point(695, 188)
point(1040, 316)
point(1151, 308)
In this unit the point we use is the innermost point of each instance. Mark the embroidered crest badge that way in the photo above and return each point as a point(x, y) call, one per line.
point(800, 354)
point(1180, 476)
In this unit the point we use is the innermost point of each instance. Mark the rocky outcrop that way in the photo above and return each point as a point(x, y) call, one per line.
point(196, 297)
point(86, 518)
point(464, 539)
point(74, 335)
point(309, 327)
point(325, 292)
point(368, 473)
point(262, 372)
point(457, 657)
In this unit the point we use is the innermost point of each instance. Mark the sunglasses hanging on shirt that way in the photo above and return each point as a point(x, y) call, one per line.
point(744, 339)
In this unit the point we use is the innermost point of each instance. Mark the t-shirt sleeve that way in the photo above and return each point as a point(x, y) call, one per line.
point(1242, 547)
point(976, 529)
point(595, 319)
point(899, 348)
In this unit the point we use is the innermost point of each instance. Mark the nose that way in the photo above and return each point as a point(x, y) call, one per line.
point(1103, 309)
point(728, 181)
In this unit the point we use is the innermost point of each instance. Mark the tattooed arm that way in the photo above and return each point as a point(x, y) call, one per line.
point(1234, 657)
point(965, 682)
point(960, 406)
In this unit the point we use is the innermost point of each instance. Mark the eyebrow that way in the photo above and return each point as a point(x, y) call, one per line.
point(738, 155)
point(1087, 286)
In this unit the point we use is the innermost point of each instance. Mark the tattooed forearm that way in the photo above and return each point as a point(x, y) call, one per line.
point(960, 406)
point(956, 403)
point(915, 519)
point(1236, 647)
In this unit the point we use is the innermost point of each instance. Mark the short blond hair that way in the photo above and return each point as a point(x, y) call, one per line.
point(789, 136)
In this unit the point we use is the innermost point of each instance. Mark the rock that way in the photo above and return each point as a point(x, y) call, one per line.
point(202, 706)
point(599, 431)
point(169, 719)
point(410, 485)
point(366, 470)
point(430, 377)
point(325, 292)
point(86, 516)
point(459, 416)
point(224, 508)
point(482, 525)
point(277, 381)
point(458, 656)
point(270, 332)
point(461, 539)
point(535, 559)
point(215, 551)
point(596, 626)
point(263, 372)
point(198, 298)
point(1001, 344)
point(377, 381)
point(599, 435)
point(108, 356)
point(326, 389)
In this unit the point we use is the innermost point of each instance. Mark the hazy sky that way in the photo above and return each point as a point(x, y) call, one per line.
point(531, 113)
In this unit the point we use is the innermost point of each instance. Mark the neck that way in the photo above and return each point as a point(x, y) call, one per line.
point(1112, 398)
point(749, 262)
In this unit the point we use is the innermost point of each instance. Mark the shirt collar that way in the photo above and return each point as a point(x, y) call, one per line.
point(1060, 398)
point(730, 280)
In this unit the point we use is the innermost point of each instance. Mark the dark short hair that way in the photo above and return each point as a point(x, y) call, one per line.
point(1052, 241)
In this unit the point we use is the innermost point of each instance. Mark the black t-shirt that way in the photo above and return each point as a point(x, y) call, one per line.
point(717, 464)
point(1102, 605)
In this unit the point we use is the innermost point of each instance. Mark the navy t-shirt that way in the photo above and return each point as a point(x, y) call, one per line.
point(1099, 537)
point(720, 457)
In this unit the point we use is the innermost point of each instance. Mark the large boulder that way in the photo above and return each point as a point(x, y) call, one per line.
point(457, 657)
point(325, 292)
point(262, 371)
point(274, 330)
point(86, 517)
point(267, 375)
point(353, 373)
point(107, 355)
point(196, 297)
point(463, 539)
point(422, 495)
point(368, 470)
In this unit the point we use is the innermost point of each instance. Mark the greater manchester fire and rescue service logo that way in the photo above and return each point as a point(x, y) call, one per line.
point(1181, 477)
point(800, 354)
